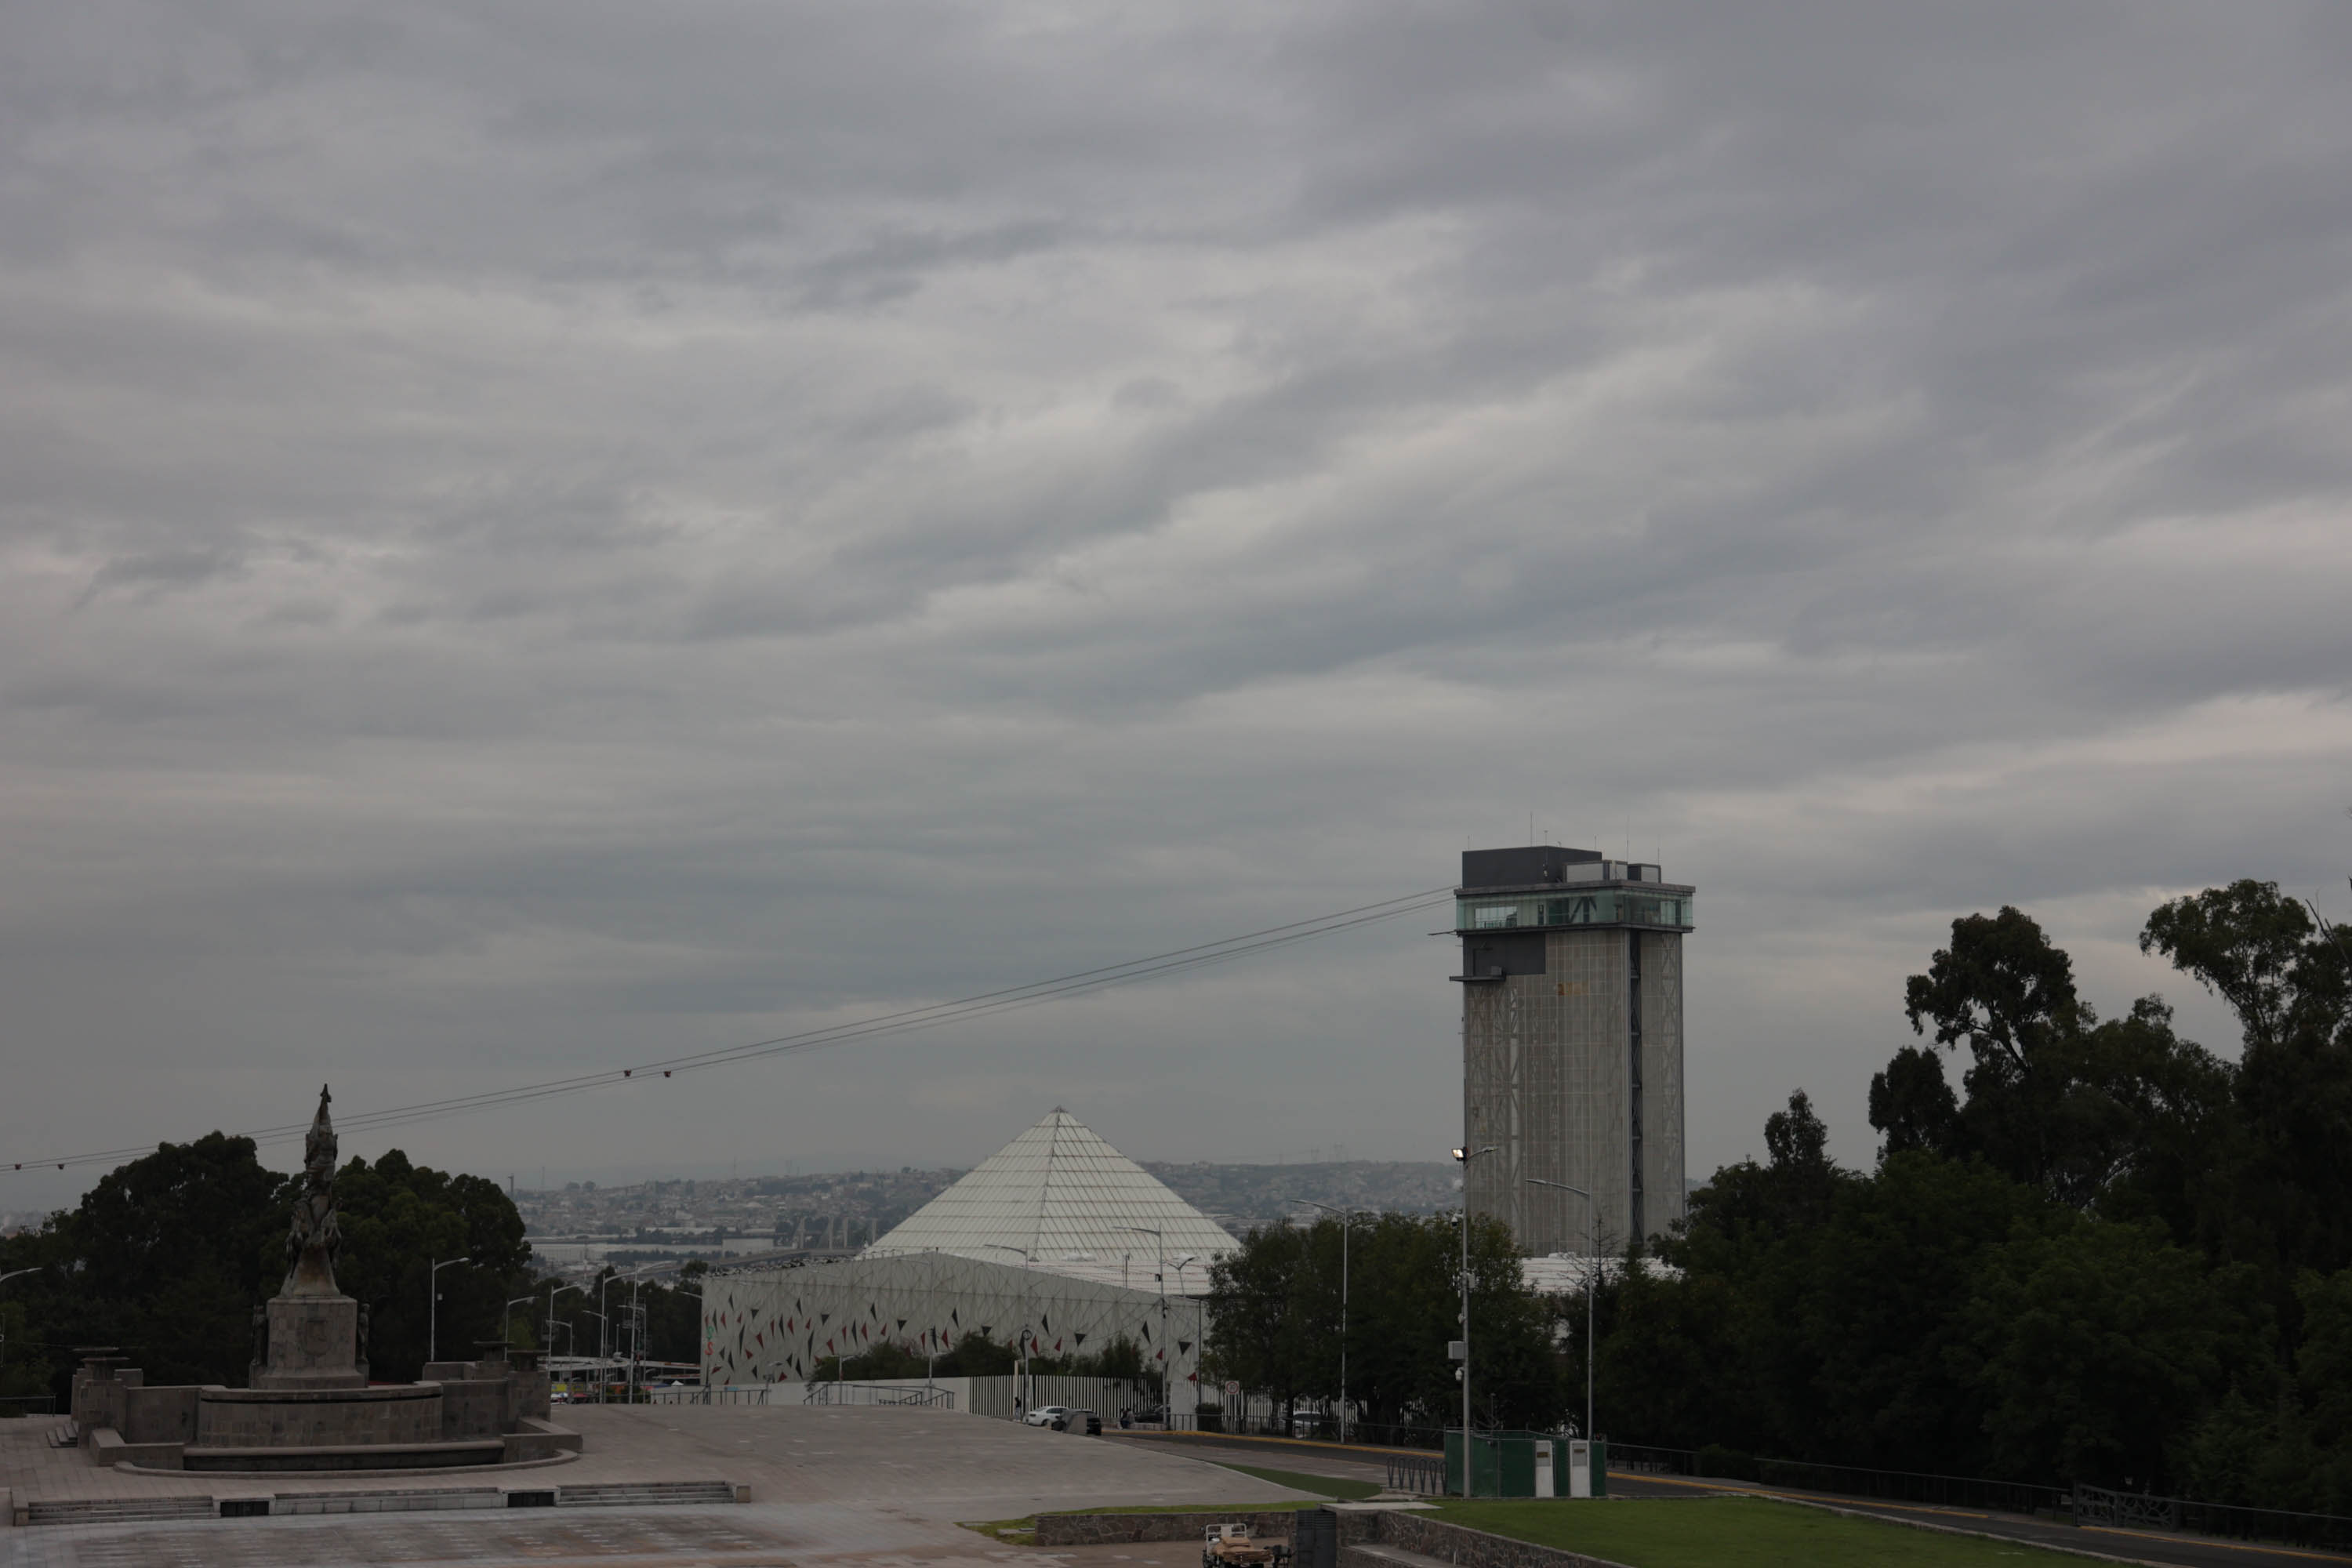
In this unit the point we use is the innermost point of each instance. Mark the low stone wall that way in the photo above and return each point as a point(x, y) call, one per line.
point(534, 1438)
point(1098, 1529)
point(1453, 1543)
point(108, 1447)
point(1406, 1530)
point(166, 1414)
point(473, 1408)
point(301, 1418)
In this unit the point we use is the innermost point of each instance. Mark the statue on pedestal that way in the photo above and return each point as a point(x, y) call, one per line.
point(311, 1335)
point(315, 1239)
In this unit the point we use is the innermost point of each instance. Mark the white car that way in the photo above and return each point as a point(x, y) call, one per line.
point(1045, 1415)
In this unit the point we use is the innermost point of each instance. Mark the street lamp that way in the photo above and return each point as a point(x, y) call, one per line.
point(553, 1290)
point(1028, 1378)
point(603, 1327)
point(432, 1306)
point(605, 1339)
point(1591, 1286)
point(1159, 1274)
point(17, 1274)
point(1346, 1221)
point(1463, 1156)
point(508, 1312)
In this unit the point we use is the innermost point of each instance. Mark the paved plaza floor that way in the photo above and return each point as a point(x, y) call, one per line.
point(878, 1486)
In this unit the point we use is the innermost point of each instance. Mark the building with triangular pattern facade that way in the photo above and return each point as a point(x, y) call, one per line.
point(1057, 1243)
point(1059, 1194)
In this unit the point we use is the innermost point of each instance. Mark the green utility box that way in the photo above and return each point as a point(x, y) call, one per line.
point(1502, 1464)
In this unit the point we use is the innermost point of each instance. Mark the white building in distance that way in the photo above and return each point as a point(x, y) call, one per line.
point(1058, 1242)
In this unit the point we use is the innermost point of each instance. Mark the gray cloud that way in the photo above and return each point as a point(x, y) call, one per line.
point(550, 536)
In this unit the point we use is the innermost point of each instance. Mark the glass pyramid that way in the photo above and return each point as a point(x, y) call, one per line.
point(1057, 1195)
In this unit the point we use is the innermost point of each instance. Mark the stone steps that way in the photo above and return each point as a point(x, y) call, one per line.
point(108, 1510)
point(594, 1494)
point(642, 1494)
point(387, 1501)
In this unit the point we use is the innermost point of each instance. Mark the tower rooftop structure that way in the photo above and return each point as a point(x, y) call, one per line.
point(1057, 1195)
point(1571, 1044)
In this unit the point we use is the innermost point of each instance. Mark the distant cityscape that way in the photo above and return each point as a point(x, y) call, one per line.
point(582, 1225)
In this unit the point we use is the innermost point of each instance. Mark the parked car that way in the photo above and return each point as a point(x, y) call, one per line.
point(1085, 1421)
point(1046, 1414)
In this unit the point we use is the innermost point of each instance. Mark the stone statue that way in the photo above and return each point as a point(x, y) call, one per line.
point(260, 1337)
point(315, 1239)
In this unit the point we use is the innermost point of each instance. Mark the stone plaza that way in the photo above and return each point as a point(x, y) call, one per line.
point(819, 1483)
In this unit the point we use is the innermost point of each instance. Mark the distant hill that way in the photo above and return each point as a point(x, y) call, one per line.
point(1240, 1196)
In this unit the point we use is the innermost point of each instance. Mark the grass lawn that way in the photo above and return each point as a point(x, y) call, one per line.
point(1298, 1481)
point(1022, 1532)
point(1732, 1532)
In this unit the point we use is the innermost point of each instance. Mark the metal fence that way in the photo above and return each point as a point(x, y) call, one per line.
point(2097, 1505)
point(1635, 1459)
point(869, 1394)
point(28, 1404)
point(1104, 1396)
point(729, 1394)
point(1909, 1485)
point(1423, 1475)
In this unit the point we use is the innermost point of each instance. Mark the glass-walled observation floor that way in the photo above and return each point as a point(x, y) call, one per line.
point(1601, 907)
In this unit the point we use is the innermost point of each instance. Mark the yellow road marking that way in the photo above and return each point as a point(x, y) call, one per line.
point(2217, 1541)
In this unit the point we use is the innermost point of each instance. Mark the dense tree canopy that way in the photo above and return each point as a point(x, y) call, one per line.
point(2111, 1257)
point(1277, 1323)
point(167, 1255)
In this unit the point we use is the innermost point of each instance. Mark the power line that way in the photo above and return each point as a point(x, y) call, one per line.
point(904, 1021)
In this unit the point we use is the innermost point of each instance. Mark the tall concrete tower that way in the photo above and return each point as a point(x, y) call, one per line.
point(1572, 1042)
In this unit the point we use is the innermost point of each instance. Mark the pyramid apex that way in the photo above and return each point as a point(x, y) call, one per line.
point(1066, 1194)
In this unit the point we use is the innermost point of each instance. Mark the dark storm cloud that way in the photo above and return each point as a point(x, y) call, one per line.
point(541, 535)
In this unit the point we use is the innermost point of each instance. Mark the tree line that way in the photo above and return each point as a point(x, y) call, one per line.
point(1278, 1321)
point(167, 1255)
point(2109, 1256)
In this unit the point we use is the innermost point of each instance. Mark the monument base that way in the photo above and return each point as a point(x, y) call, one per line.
point(313, 1342)
point(318, 1418)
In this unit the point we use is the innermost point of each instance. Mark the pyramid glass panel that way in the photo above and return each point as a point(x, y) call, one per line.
point(1057, 1195)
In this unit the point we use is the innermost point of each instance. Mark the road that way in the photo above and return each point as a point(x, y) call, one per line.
point(1363, 1463)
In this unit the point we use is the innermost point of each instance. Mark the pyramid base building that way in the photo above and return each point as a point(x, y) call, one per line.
point(1050, 1246)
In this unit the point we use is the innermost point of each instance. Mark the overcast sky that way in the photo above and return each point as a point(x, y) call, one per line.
point(538, 535)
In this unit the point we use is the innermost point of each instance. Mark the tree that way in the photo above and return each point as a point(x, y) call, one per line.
point(1912, 1105)
point(1255, 1318)
point(1273, 1320)
point(2100, 1345)
point(166, 1256)
point(2055, 1097)
point(2284, 1199)
point(398, 1219)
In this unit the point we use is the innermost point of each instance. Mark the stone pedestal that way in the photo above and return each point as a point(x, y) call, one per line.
point(314, 1342)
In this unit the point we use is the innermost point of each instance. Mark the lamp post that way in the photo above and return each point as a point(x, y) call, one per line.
point(602, 1328)
point(1463, 1156)
point(507, 1314)
point(1028, 1379)
point(1160, 1275)
point(16, 1274)
point(1591, 1286)
point(606, 1341)
point(553, 1290)
point(433, 1305)
point(1346, 1221)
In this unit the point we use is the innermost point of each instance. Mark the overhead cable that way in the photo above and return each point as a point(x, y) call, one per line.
point(904, 1021)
